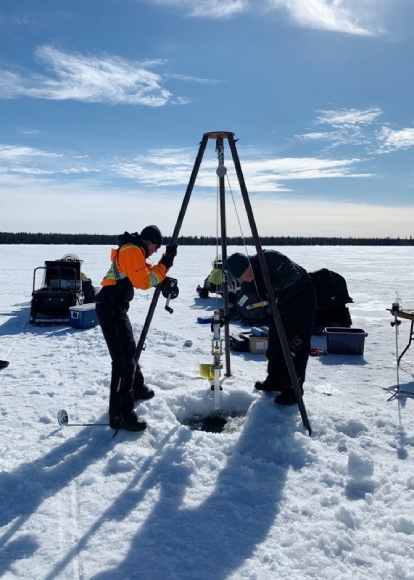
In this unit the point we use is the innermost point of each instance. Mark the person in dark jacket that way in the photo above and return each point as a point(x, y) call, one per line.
point(129, 269)
point(296, 301)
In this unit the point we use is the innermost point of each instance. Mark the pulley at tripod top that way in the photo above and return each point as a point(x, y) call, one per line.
point(218, 134)
point(221, 171)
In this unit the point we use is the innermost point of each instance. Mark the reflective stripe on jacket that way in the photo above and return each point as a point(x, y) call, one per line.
point(129, 261)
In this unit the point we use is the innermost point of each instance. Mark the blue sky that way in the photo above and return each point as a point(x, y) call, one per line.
point(103, 105)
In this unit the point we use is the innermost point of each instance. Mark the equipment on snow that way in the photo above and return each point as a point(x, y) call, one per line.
point(170, 291)
point(63, 285)
point(214, 282)
point(63, 421)
point(205, 319)
point(212, 372)
point(216, 351)
point(331, 299)
point(5, 363)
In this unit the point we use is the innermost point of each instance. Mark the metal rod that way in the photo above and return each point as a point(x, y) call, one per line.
point(396, 323)
point(396, 352)
point(216, 351)
point(221, 172)
point(87, 425)
point(409, 341)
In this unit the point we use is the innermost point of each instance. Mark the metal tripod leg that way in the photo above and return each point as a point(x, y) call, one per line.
point(180, 219)
point(269, 289)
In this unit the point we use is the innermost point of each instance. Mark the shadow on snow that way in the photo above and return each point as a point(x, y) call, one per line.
point(216, 537)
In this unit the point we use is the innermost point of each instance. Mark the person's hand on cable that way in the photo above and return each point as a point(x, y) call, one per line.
point(168, 257)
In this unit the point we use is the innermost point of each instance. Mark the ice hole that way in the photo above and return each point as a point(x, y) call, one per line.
point(215, 423)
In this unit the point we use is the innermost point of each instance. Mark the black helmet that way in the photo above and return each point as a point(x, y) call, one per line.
point(152, 234)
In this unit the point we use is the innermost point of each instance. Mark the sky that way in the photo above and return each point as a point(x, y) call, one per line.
point(262, 500)
point(103, 105)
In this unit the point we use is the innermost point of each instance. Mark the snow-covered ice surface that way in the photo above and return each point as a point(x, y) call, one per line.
point(261, 500)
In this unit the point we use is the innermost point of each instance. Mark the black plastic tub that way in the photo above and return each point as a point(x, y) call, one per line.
point(341, 340)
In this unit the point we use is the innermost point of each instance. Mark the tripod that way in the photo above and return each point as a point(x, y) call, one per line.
point(221, 171)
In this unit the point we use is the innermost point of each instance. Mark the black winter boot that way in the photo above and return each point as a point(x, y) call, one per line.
point(143, 393)
point(128, 421)
point(115, 422)
point(287, 397)
point(265, 385)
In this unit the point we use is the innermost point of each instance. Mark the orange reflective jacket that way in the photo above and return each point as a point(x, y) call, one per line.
point(129, 261)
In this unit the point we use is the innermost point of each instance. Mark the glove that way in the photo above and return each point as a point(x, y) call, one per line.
point(230, 316)
point(171, 250)
point(167, 260)
point(168, 257)
point(224, 320)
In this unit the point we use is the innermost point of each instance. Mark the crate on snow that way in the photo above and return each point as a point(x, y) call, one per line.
point(341, 340)
point(258, 344)
point(83, 316)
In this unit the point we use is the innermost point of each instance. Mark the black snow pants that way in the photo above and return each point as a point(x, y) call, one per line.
point(297, 311)
point(112, 305)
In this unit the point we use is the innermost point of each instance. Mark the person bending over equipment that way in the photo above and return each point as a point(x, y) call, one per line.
point(296, 301)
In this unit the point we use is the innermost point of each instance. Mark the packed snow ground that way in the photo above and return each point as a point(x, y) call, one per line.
point(262, 500)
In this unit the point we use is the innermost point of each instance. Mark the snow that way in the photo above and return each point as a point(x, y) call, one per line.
point(262, 500)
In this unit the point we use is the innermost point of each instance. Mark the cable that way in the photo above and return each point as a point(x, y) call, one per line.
point(243, 237)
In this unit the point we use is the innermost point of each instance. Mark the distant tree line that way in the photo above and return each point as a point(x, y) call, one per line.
point(101, 239)
point(56, 239)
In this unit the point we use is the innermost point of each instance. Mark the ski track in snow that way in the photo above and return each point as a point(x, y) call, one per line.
point(260, 501)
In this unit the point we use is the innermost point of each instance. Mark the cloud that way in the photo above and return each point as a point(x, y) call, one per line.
point(349, 126)
point(333, 15)
point(315, 136)
point(27, 131)
point(169, 167)
point(271, 175)
point(17, 153)
point(393, 140)
point(24, 161)
point(189, 78)
point(349, 117)
point(49, 185)
point(50, 207)
point(45, 172)
point(214, 9)
point(158, 167)
point(92, 79)
point(344, 16)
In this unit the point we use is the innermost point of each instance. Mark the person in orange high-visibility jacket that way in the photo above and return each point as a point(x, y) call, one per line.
point(129, 269)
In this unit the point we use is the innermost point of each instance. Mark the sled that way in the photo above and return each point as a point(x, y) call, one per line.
point(61, 288)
